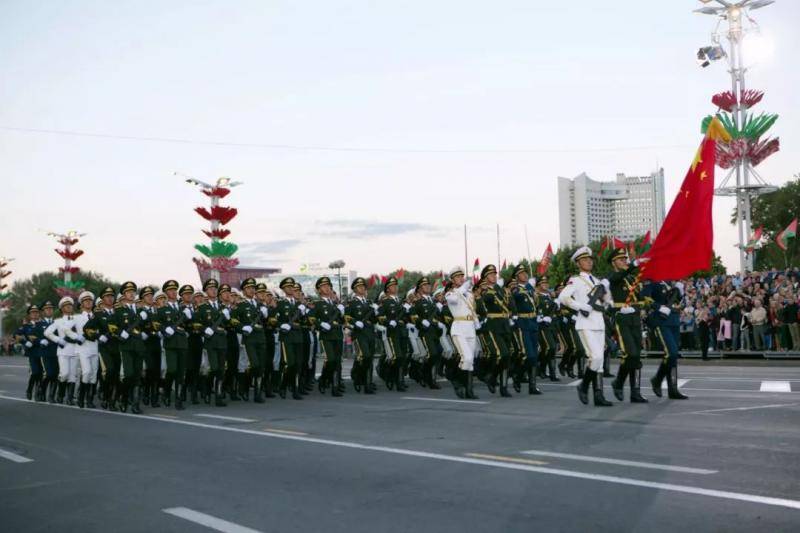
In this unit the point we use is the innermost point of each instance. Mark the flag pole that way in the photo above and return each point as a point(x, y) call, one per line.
point(528, 247)
point(466, 261)
point(498, 245)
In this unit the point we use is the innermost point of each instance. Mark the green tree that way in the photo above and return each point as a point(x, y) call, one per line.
point(775, 211)
point(41, 287)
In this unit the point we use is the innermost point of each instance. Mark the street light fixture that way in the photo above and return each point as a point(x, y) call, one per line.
point(338, 265)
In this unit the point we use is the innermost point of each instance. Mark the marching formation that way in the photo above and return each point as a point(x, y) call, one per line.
point(140, 346)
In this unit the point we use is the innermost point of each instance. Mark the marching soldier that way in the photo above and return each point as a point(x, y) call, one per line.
point(307, 360)
point(108, 346)
point(288, 314)
point(49, 352)
point(248, 316)
point(589, 296)
point(30, 340)
point(130, 320)
point(266, 308)
point(498, 329)
point(392, 315)
point(627, 323)
point(63, 332)
point(172, 319)
point(527, 313)
point(88, 330)
point(360, 317)
point(152, 348)
point(190, 299)
point(572, 347)
point(230, 381)
point(461, 304)
point(328, 319)
point(427, 323)
point(213, 315)
point(665, 321)
point(547, 341)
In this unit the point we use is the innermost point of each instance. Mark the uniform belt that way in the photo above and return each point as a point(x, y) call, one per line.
point(468, 318)
point(497, 315)
point(527, 315)
point(619, 305)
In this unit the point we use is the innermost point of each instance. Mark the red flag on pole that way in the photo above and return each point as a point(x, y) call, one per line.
point(619, 243)
point(788, 233)
point(646, 239)
point(544, 264)
point(685, 243)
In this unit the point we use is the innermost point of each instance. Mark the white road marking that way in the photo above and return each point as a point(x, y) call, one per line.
point(423, 399)
point(11, 456)
point(758, 380)
point(776, 386)
point(686, 489)
point(222, 417)
point(211, 522)
point(14, 366)
point(771, 406)
point(681, 383)
point(607, 460)
point(574, 383)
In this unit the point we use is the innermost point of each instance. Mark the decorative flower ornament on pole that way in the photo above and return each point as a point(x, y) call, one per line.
point(67, 252)
point(219, 254)
point(5, 297)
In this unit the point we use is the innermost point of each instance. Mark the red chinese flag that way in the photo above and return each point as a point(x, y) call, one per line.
point(685, 243)
point(619, 243)
point(646, 239)
point(544, 264)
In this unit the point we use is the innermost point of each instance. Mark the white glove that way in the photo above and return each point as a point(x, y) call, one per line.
point(584, 307)
point(627, 310)
point(28, 344)
point(664, 310)
point(124, 335)
point(442, 327)
point(604, 283)
point(264, 311)
point(340, 307)
point(539, 319)
point(169, 331)
point(286, 327)
point(302, 308)
point(187, 313)
point(407, 306)
point(325, 326)
point(439, 306)
point(143, 315)
point(574, 318)
point(375, 307)
point(227, 314)
point(546, 319)
point(62, 343)
point(80, 338)
point(515, 318)
point(209, 332)
point(359, 324)
point(44, 342)
point(640, 261)
point(393, 323)
point(426, 323)
point(247, 329)
point(511, 322)
point(103, 339)
point(500, 281)
point(380, 328)
point(410, 327)
point(145, 336)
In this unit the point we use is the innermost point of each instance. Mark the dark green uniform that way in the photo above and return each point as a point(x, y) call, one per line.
point(392, 315)
point(152, 347)
point(212, 317)
point(549, 315)
point(328, 321)
point(498, 336)
point(288, 316)
point(426, 320)
point(109, 358)
point(130, 321)
point(360, 317)
point(172, 323)
point(248, 316)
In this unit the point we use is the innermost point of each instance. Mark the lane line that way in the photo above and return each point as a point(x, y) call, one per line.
point(685, 489)
point(571, 383)
point(211, 522)
point(505, 458)
point(16, 458)
point(423, 399)
point(229, 418)
point(752, 380)
point(285, 431)
point(14, 366)
point(771, 406)
point(165, 416)
point(608, 460)
point(776, 386)
point(681, 382)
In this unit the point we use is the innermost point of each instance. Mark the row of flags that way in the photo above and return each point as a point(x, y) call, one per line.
point(780, 238)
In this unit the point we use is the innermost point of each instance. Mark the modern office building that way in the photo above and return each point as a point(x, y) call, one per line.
point(590, 210)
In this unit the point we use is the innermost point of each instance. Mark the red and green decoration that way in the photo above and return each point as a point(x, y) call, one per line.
point(68, 286)
point(748, 140)
point(218, 254)
point(788, 233)
point(5, 297)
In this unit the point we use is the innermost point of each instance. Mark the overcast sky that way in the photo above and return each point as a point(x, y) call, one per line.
point(446, 112)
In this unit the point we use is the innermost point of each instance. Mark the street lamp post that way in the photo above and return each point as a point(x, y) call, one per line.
point(748, 182)
point(338, 265)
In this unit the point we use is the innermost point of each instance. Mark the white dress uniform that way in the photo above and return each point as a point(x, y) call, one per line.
point(465, 321)
point(591, 329)
point(88, 352)
point(62, 333)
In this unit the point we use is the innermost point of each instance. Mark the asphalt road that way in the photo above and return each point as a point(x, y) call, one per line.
point(728, 459)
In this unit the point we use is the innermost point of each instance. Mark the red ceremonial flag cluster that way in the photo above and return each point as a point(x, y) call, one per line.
point(221, 214)
point(72, 255)
point(685, 243)
point(219, 233)
point(544, 264)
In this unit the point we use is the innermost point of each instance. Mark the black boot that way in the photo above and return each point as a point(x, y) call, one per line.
point(672, 385)
point(335, 384)
point(581, 366)
point(532, 388)
point(62, 388)
point(635, 381)
point(193, 391)
point(166, 396)
point(597, 385)
point(257, 396)
point(70, 394)
point(618, 383)
point(155, 393)
point(218, 399)
point(607, 365)
point(81, 395)
point(134, 392)
point(267, 382)
point(342, 387)
point(180, 394)
point(52, 385)
point(583, 387)
point(31, 383)
point(296, 387)
point(504, 383)
point(551, 365)
point(460, 383)
point(243, 386)
point(90, 389)
point(146, 388)
point(656, 380)
point(41, 389)
point(469, 394)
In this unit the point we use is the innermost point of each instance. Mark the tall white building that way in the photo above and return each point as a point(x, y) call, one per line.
point(590, 210)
